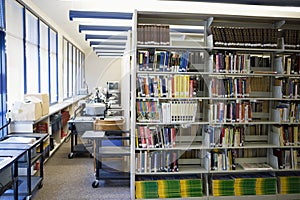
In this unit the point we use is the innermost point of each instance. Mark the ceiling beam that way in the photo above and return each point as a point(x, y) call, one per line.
point(99, 15)
point(103, 28)
point(111, 37)
point(108, 48)
point(92, 43)
point(250, 2)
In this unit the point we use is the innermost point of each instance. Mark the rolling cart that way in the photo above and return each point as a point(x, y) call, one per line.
point(107, 172)
point(9, 173)
point(34, 153)
point(77, 127)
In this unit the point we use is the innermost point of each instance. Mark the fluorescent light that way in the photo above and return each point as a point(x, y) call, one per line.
point(105, 22)
point(106, 40)
point(105, 32)
point(108, 51)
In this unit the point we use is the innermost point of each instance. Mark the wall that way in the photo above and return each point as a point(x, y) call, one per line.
point(100, 70)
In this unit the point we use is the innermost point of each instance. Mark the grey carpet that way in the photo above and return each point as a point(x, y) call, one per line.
point(71, 179)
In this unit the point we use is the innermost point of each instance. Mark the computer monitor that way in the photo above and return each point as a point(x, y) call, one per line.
point(113, 86)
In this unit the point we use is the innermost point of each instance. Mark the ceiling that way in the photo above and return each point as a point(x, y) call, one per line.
point(251, 2)
point(85, 33)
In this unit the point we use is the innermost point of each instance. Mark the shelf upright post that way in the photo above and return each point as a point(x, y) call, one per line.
point(133, 100)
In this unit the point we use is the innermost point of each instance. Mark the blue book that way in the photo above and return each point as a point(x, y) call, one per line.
point(162, 61)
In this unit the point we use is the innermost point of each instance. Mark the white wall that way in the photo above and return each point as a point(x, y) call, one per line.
point(101, 70)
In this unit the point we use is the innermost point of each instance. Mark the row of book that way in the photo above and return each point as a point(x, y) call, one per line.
point(231, 63)
point(258, 129)
point(173, 111)
point(239, 184)
point(152, 59)
point(223, 112)
point(260, 106)
point(289, 183)
point(230, 87)
point(244, 37)
point(178, 111)
point(180, 86)
point(153, 34)
point(286, 158)
point(222, 160)
point(171, 187)
point(286, 112)
point(157, 161)
point(225, 160)
point(292, 39)
point(287, 88)
point(147, 111)
point(288, 135)
point(228, 136)
point(288, 64)
point(156, 137)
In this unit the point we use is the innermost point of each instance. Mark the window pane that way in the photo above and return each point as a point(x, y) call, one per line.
point(31, 46)
point(44, 58)
point(14, 46)
point(74, 67)
point(53, 67)
point(70, 73)
point(65, 69)
point(2, 16)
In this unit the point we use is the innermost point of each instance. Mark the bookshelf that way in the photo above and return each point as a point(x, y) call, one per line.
point(220, 107)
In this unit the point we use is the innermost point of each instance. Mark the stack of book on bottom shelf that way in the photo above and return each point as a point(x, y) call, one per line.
point(168, 187)
point(191, 188)
point(249, 184)
point(146, 189)
point(222, 186)
point(256, 184)
point(289, 183)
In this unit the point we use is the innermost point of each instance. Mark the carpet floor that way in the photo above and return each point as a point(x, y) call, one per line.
point(71, 179)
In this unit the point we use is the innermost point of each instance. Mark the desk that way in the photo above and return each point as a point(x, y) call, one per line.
point(10, 162)
point(107, 151)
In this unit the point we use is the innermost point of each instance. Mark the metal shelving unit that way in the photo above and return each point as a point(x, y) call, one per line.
point(206, 72)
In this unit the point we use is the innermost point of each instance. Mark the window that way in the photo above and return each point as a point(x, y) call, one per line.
point(73, 69)
point(35, 43)
point(53, 67)
point(44, 57)
point(15, 46)
point(65, 68)
point(32, 70)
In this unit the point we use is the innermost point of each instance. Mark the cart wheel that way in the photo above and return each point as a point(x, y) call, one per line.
point(70, 156)
point(91, 155)
point(95, 184)
point(28, 197)
point(40, 185)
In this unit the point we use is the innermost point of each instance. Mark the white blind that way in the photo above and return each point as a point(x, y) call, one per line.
point(31, 48)
point(15, 51)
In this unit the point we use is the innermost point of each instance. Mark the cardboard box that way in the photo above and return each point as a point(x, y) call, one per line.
point(27, 111)
point(44, 98)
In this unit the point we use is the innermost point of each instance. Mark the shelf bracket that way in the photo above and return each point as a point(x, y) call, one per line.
point(209, 21)
point(279, 24)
